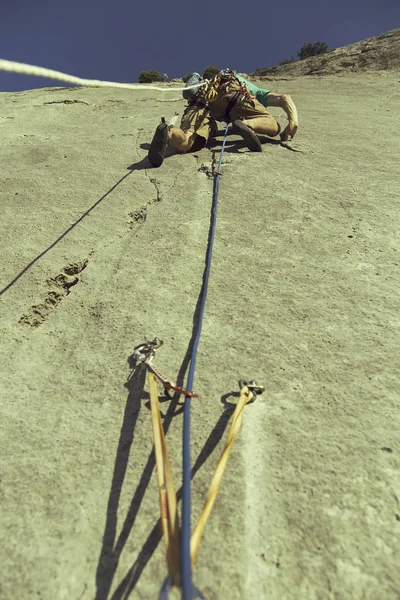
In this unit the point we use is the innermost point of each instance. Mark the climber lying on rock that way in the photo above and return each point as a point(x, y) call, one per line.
point(226, 97)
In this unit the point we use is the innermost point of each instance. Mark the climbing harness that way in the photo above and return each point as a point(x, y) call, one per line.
point(222, 85)
point(199, 104)
point(230, 105)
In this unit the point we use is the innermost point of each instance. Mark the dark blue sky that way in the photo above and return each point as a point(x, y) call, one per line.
point(116, 40)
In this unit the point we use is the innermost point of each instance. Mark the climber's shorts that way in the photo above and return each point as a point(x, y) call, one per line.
point(202, 121)
point(242, 109)
point(196, 119)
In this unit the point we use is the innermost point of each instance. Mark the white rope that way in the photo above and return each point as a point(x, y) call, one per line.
point(16, 67)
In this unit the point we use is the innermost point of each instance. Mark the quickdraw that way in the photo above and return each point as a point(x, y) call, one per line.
point(181, 556)
point(145, 353)
point(254, 388)
point(169, 518)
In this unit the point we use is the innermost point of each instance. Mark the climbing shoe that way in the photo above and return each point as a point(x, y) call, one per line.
point(250, 138)
point(159, 143)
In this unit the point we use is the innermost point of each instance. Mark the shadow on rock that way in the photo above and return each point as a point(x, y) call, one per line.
point(141, 165)
point(238, 145)
point(113, 546)
point(145, 163)
point(66, 232)
point(131, 578)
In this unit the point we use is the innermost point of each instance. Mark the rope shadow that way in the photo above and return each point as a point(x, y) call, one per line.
point(108, 560)
point(133, 575)
point(238, 145)
point(110, 553)
point(112, 545)
point(63, 235)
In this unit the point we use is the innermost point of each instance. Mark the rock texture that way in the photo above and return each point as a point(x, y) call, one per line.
point(373, 54)
point(100, 252)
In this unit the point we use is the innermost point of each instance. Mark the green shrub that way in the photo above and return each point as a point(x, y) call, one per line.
point(150, 76)
point(210, 72)
point(308, 50)
point(287, 61)
point(186, 77)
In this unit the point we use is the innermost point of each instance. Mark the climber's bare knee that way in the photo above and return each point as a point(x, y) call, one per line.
point(181, 140)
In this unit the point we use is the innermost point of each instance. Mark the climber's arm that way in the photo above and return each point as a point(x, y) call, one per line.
point(285, 102)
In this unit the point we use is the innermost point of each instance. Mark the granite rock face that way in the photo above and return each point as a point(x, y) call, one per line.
point(100, 252)
point(378, 53)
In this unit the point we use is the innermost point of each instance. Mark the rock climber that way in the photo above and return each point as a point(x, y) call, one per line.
point(226, 97)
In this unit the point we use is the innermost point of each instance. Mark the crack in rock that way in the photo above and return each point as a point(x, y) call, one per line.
point(68, 102)
point(154, 181)
point(175, 180)
point(65, 89)
point(59, 287)
point(137, 217)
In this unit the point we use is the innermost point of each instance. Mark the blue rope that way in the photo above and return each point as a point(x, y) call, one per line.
point(186, 568)
point(166, 587)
